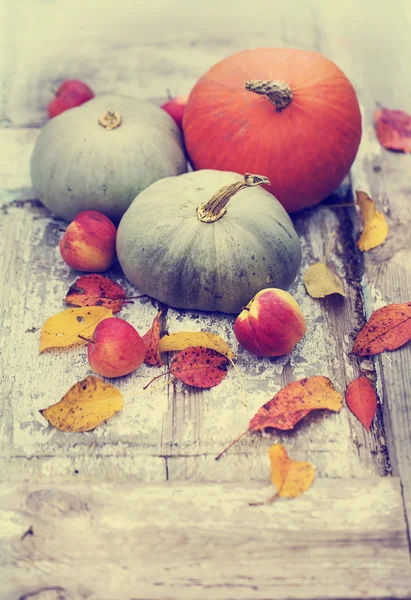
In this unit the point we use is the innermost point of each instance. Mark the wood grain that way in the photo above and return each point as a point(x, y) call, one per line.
point(386, 177)
point(342, 539)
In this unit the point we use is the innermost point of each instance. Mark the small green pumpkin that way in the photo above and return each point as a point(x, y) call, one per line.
point(100, 155)
point(180, 244)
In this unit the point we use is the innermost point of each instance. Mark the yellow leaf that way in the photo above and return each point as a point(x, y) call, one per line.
point(321, 281)
point(291, 478)
point(63, 329)
point(375, 226)
point(183, 340)
point(87, 404)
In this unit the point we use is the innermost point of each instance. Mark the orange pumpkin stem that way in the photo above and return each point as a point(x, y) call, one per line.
point(215, 208)
point(278, 92)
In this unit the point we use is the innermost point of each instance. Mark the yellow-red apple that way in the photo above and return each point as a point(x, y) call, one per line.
point(89, 242)
point(116, 348)
point(271, 324)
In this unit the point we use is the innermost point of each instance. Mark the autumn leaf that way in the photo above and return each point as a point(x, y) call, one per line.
point(291, 478)
point(388, 328)
point(295, 401)
point(292, 404)
point(183, 340)
point(151, 341)
point(64, 328)
point(362, 400)
point(87, 404)
point(375, 226)
point(320, 281)
point(200, 367)
point(393, 129)
point(96, 290)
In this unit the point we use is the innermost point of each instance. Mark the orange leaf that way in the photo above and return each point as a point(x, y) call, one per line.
point(388, 328)
point(291, 478)
point(362, 400)
point(200, 367)
point(292, 404)
point(375, 226)
point(96, 290)
point(87, 404)
point(295, 401)
point(393, 129)
point(151, 341)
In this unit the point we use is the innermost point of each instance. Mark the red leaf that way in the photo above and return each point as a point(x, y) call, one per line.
point(388, 328)
point(362, 400)
point(295, 401)
point(199, 366)
point(96, 290)
point(151, 340)
point(393, 129)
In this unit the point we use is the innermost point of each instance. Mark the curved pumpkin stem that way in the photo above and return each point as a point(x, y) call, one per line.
point(278, 92)
point(215, 208)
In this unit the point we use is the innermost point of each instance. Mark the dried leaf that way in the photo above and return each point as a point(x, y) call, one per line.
point(183, 340)
point(295, 401)
point(388, 328)
point(200, 367)
point(375, 226)
point(87, 404)
point(151, 340)
point(393, 129)
point(96, 290)
point(292, 404)
point(291, 478)
point(63, 329)
point(362, 400)
point(321, 281)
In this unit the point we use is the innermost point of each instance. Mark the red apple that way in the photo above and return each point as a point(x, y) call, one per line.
point(271, 324)
point(70, 93)
point(116, 348)
point(89, 242)
point(175, 108)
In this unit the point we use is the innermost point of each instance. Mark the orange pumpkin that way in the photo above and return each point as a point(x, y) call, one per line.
point(288, 114)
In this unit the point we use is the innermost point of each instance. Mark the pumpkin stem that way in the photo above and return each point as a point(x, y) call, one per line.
point(215, 208)
point(110, 120)
point(278, 92)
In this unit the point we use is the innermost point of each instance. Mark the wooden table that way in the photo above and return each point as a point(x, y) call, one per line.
point(139, 508)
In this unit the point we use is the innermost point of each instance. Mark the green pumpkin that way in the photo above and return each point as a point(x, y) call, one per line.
point(100, 155)
point(179, 242)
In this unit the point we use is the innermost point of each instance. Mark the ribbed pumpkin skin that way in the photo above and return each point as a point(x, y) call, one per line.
point(306, 150)
point(170, 255)
point(79, 165)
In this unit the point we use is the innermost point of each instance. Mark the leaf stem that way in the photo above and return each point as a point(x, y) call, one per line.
point(264, 502)
point(154, 378)
point(231, 445)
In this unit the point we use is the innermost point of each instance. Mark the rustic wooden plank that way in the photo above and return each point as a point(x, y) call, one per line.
point(386, 177)
point(164, 420)
point(342, 539)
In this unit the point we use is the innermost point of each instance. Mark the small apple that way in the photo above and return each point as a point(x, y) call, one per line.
point(89, 242)
point(175, 108)
point(116, 348)
point(69, 94)
point(271, 324)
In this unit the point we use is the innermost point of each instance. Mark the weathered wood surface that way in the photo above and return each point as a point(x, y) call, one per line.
point(185, 542)
point(173, 433)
